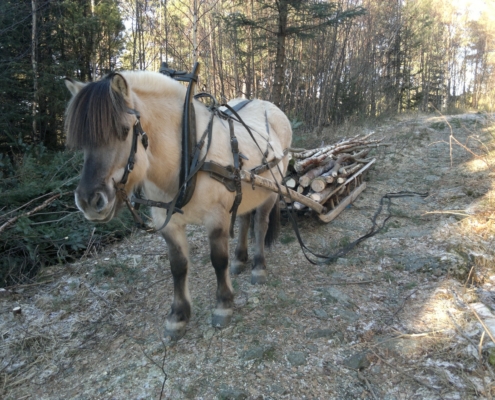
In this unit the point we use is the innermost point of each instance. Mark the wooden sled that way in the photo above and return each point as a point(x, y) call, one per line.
point(332, 203)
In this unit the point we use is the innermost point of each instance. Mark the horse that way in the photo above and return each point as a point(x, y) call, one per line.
point(98, 120)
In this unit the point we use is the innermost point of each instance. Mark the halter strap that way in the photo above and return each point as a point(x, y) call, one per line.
point(137, 131)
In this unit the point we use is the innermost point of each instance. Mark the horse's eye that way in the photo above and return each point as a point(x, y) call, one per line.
point(124, 132)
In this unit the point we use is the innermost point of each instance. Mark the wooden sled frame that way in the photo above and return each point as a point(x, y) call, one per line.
point(332, 199)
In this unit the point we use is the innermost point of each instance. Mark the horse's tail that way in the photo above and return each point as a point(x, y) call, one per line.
point(273, 224)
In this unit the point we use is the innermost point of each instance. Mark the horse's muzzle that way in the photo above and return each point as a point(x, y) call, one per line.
point(97, 205)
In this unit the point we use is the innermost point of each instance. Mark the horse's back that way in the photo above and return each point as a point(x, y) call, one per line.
point(268, 122)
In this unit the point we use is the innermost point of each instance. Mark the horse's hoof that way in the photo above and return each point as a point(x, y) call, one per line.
point(175, 330)
point(221, 317)
point(258, 276)
point(237, 267)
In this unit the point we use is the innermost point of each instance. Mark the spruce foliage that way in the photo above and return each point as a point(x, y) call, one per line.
point(57, 232)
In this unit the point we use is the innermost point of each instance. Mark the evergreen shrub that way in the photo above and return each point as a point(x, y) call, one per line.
point(58, 232)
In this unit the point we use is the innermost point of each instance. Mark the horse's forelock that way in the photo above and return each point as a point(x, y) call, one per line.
point(96, 116)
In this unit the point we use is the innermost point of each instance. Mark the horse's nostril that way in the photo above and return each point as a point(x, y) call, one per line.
point(99, 201)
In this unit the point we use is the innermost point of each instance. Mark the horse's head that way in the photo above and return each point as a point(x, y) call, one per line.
point(98, 122)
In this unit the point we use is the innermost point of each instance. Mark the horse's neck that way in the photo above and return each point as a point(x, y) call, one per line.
point(161, 120)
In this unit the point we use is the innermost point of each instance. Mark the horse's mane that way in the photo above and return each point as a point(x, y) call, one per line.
point(96, 116)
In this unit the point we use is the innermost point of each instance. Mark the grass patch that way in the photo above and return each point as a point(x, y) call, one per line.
point(119, 272)
point(287, 239)
point(438, 126)
point(388, 277)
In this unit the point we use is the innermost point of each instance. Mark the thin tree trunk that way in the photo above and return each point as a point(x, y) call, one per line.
point(195, 31)
point(278, 77)
point(34, 46)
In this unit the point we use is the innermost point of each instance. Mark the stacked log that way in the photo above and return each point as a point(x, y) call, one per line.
point(325, 173)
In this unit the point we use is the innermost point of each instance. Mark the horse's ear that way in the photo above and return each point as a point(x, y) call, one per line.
point(119, 85)
point(73, 85)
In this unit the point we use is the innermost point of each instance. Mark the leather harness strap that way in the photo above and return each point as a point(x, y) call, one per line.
point(234, 144)
point(137, 131)
point(229, 176)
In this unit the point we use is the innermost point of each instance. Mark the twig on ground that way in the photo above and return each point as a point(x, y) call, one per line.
point(368, 385)
point(480, 347)
point(416, 335)
point(401, 307)
point(469, 276)
point(453, 212)
point(481, 322)
point(459, 329)
point(33, 211)
point(89, 246)
point(25, 205)
point(475, 314)
point(29, 284)
point(352, 282)
point(406, 373)
point(104, 300)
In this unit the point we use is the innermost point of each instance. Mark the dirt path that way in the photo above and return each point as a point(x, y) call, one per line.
point(392, 320)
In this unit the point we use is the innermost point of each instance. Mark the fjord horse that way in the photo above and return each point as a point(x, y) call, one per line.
point(99, 122)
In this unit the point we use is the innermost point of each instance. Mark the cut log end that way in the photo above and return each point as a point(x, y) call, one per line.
point(319, 184)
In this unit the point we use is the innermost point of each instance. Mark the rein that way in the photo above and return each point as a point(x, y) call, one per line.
point(191, 164)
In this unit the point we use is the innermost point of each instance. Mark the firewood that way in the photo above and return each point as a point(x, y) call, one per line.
point(308, 177)
point(327, 176)
point(350, 169)
point(270, 185)
point(314, 172)
point(361, 154)
point(306, 164)
point(319, 183)
point(338, 163)
point(321, 196)
point(291, 183)
point(321, 150)
point(298, 206)
point(346, 167)
point(338, 188)
point(313, 157)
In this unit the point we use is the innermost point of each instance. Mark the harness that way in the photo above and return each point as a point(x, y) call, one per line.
point(191, 163)
point(229, 176)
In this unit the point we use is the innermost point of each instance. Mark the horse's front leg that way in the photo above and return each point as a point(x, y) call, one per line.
point(175, 324)
point(218, 235)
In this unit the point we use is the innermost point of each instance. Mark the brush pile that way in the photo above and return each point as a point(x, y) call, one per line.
point(326, 173)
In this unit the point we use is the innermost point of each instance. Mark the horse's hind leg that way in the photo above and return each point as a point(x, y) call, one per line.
point(241, 257)
point(261, 225)
point(218, 235)
point(175, 324)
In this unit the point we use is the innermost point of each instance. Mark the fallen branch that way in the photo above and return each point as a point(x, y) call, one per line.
point(47, 202)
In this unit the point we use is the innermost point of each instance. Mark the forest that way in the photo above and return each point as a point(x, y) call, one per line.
point(322, 62)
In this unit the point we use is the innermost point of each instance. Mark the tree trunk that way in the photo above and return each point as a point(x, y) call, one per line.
point(195, 31)
point(34, 45)
point(278, 77)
